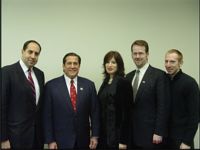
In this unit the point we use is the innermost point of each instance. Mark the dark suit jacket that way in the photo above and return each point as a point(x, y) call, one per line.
point(20, 115)
point(150, 109)
point(61, 123)
point(115, 106)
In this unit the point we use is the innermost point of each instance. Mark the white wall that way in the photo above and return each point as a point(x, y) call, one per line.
point(93, 27)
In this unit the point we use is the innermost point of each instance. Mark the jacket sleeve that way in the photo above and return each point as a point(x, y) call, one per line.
point(5, 96)
point(192, 99)
point(47, 115)
point(94, 112)
point(163, 104)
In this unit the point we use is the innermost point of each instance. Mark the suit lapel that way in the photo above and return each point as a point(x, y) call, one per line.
point(65, 93)
point(20, 74)
point(39, 79)
point(24, 81)
point(80, 89)
point(130, 76)
point(143, 82)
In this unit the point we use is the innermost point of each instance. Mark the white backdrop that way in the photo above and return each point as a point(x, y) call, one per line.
point(93, 27)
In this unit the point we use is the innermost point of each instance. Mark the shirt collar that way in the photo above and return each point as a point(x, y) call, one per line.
point(144, 68)
point(68, 80)
point(177, 75)
point(22, 64)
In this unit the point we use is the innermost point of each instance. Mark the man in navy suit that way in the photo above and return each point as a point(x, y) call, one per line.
point(67, 127)
point(21, 106)
point(150, 105)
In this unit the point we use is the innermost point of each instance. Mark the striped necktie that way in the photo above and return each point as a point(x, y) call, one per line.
point(135, 84)
point(30, 80)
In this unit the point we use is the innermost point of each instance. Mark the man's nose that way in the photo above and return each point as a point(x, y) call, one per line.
point(33, 55)
point(137, 55)
point(167, 64)
point(73, 65)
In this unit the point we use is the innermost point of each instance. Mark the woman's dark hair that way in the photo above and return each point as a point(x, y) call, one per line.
point(120, 63)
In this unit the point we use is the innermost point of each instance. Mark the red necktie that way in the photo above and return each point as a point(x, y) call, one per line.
point(73, 95)
point(30, 80)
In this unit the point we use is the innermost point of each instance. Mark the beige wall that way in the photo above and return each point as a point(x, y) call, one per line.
point(93, 27)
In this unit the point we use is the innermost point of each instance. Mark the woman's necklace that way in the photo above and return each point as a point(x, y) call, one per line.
point(110, 81)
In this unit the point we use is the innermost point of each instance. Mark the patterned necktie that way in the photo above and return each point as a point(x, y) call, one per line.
point(73, 95)
point(30, 80)
point(135, 84)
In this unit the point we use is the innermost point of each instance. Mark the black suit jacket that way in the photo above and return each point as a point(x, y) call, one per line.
point(150, 109)
point(21, 117)
point(115, 106)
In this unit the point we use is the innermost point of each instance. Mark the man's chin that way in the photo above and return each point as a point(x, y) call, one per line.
point(31, 65)
point(139, 65)
point(72, 76)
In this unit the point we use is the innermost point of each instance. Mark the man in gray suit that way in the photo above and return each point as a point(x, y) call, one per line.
point(21, 100)
point(150, 106)
point(71, 109)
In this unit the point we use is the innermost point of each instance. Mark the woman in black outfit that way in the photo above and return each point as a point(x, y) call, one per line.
point(115, 95)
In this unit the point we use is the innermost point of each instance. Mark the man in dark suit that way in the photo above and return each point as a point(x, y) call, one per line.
point(184, 114)
point(21, 101)
point(150, 108)
point(70, 113)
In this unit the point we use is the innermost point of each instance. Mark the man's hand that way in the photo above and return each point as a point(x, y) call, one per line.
point(157, 139)
point(53, 145)
point(93, 142)
point(184, 146)
point(5, 145)
point(122, 146)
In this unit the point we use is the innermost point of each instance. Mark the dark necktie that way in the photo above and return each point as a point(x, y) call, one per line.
point(135, 84)
point(73, 95)
point(30, 80)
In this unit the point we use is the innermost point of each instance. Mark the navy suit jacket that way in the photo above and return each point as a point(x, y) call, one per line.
point(64, 126)
point(151, 107)
point(20, 116)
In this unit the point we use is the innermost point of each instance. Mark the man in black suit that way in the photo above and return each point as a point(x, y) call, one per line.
point(21, 99)
point(184, 114)
point(150, 108)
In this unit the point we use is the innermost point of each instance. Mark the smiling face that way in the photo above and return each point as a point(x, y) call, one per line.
point(71, 66)
point(111, 66)
point(139, 56)
point(30, 54)
point(172, 63)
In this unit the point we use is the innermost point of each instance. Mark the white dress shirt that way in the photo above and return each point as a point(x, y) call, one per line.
point(141, 74)
point(68, 82)
point(36, 84)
